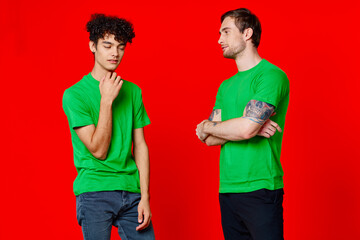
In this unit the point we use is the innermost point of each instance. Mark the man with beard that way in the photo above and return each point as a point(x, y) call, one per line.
point(251, 183)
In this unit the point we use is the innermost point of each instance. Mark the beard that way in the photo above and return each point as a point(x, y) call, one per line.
point(233, 52)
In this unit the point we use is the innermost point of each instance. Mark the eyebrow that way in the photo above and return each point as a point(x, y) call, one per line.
point(106, 42)
point(225, 28)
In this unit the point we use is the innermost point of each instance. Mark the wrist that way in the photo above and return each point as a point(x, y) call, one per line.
point(206, 127)
point(145, 196)
point(106, 101)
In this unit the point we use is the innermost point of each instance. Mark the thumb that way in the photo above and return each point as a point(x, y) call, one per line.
point(102, 79)
point(140, 217)
point(273, 114)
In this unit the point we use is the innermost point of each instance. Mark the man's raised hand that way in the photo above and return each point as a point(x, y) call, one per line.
point(110, 86)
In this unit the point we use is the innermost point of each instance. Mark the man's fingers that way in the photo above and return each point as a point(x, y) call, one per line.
point(142, 226)
point(120, 83)
point(272, 129)
point(145, 224)
point(140, 216)
point(279, 128)
point(275, 125)
point(113, 76)
point(147, 219)
point(270, 133)
point(117, 80)
point(108, 75)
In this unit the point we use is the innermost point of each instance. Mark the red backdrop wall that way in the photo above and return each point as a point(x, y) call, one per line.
point(177, 62)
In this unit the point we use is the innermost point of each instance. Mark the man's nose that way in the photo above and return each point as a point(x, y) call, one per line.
point(115, 52)
point(220, 41)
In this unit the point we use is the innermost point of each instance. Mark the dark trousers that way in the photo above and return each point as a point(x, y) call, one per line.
point(255, 215)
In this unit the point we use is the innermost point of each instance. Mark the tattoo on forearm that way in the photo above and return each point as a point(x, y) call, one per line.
point(213, 114)
point(258, 111)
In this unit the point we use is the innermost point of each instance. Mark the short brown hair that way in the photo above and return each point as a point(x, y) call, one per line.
point(245, 19)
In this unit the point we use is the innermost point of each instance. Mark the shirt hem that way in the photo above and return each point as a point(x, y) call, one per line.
point(250, 186)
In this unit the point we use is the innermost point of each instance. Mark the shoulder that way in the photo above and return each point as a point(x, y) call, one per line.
point(131, 90)
point(228, 81)
point(75, 91)
point(130, 86)
point(271, 74)
point(271, 71)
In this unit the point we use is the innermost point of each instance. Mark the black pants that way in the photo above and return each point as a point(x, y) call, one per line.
point(255, 215)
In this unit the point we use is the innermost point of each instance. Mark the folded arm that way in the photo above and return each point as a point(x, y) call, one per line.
point(255, 121)
point(256, 113)
point(211, 140)
point(97, 139)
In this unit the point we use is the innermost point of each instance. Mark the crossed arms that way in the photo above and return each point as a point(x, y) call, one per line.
point(255, 121)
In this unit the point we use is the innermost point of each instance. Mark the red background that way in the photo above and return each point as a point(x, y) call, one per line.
point(177, 62)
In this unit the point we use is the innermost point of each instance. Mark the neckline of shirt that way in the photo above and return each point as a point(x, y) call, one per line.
point(92, 79)
point(253, 68)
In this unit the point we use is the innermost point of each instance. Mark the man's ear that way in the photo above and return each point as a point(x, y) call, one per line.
point(248, 33)
point(92, 46)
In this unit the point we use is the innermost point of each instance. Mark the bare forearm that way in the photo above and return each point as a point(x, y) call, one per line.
point(141, 153)
point(236, 129)
point(214, 141)
point(97, 139)
point(101, 138)
point(256, 114)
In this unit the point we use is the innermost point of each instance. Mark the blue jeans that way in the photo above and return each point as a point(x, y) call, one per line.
point(97, 212)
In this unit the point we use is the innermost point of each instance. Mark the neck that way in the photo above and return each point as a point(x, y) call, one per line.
point(98, 72)
point(248, 59)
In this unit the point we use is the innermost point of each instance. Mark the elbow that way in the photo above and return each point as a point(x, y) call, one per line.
point(101, 155)
point(248, 136)
point(244, 135)
point(208, 143)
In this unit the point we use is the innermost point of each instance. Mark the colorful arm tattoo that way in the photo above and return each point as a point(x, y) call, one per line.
point(258, 111)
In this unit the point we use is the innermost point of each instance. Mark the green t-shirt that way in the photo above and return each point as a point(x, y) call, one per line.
point(253, 164)
point(118, 171)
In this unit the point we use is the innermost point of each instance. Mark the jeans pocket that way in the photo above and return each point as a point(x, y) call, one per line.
point(79, 207)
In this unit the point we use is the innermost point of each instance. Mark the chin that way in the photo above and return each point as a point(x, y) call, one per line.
point(112, 68)
point(228, 56)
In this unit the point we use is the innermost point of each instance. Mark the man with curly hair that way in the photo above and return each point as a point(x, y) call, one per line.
point(251, 183)
point(106, 117)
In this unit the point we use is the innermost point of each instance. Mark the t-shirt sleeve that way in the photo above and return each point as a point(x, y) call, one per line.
point(272, 87)
point(76, 110)
point(141, 118)
point(218, 101)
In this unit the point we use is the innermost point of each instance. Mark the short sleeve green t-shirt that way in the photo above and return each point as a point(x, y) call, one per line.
point(81, 104)
point(253, 164)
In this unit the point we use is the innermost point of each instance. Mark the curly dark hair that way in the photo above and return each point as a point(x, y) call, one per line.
point(100, 25)
point(245, 19)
